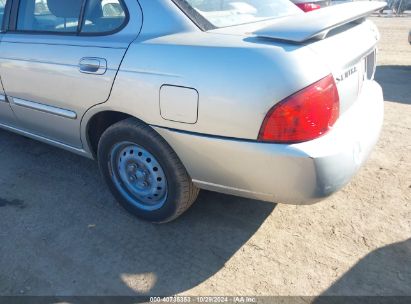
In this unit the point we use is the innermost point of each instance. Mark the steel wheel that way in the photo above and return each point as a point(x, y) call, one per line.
point(138, 176)
point(143, 172)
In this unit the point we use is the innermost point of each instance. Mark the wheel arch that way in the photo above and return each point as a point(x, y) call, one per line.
point(97, 123)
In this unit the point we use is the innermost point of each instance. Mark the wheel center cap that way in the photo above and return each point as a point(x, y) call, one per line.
point(131, 168)
point(140, 174)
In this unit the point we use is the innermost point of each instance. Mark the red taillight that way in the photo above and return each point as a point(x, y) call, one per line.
point(306, 115)
point(308, 7)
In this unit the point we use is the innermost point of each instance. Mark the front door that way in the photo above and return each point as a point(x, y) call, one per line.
point(6, 114)
point(60, 57)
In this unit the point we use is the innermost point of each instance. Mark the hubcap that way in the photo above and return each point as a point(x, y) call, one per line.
point(138, 176)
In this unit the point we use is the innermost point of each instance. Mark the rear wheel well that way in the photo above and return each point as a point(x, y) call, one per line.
point(100, 123)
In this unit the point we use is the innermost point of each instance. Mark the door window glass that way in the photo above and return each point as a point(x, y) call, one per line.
point(103, 16)
point(49, 15)
point(2, 8)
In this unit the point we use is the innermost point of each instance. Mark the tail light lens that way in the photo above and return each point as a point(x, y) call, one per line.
point(306, 115)
point(308, 7)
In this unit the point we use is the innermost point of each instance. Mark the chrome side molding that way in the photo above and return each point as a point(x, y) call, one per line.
point(44, 108)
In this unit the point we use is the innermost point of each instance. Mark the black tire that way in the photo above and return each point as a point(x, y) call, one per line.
point(181, 192)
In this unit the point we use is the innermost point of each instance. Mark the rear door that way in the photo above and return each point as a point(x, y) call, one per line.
point(60, 57)
point(6, 114)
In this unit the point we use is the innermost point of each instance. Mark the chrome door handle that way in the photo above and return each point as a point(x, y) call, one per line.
point(91, 65)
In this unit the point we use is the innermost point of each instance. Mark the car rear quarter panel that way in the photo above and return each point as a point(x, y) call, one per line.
point(238, 79)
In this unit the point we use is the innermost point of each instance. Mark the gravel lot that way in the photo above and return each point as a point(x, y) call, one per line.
point(61, 232)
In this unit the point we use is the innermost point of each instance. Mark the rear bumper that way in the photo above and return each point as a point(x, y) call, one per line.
point(295, 174)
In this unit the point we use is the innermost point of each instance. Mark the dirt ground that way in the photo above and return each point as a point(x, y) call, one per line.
point(61, 232)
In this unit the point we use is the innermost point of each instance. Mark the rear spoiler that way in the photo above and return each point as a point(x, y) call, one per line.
point(317, 24)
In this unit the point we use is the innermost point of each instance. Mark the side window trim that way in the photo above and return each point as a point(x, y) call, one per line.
point(6, 16)
point(14, 11)
point(81, 17)
point(13, 15)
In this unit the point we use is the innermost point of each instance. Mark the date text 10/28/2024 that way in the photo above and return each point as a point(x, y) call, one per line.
point(202, 299)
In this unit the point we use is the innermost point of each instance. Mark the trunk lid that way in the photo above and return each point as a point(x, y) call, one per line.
point(344, 40)
point(351, 56)
point(341, 36)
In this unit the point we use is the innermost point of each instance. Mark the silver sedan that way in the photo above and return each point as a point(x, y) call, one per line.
point(246, 97)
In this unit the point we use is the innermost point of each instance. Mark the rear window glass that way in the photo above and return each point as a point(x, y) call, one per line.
point(103, 16)
point(223, 13)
